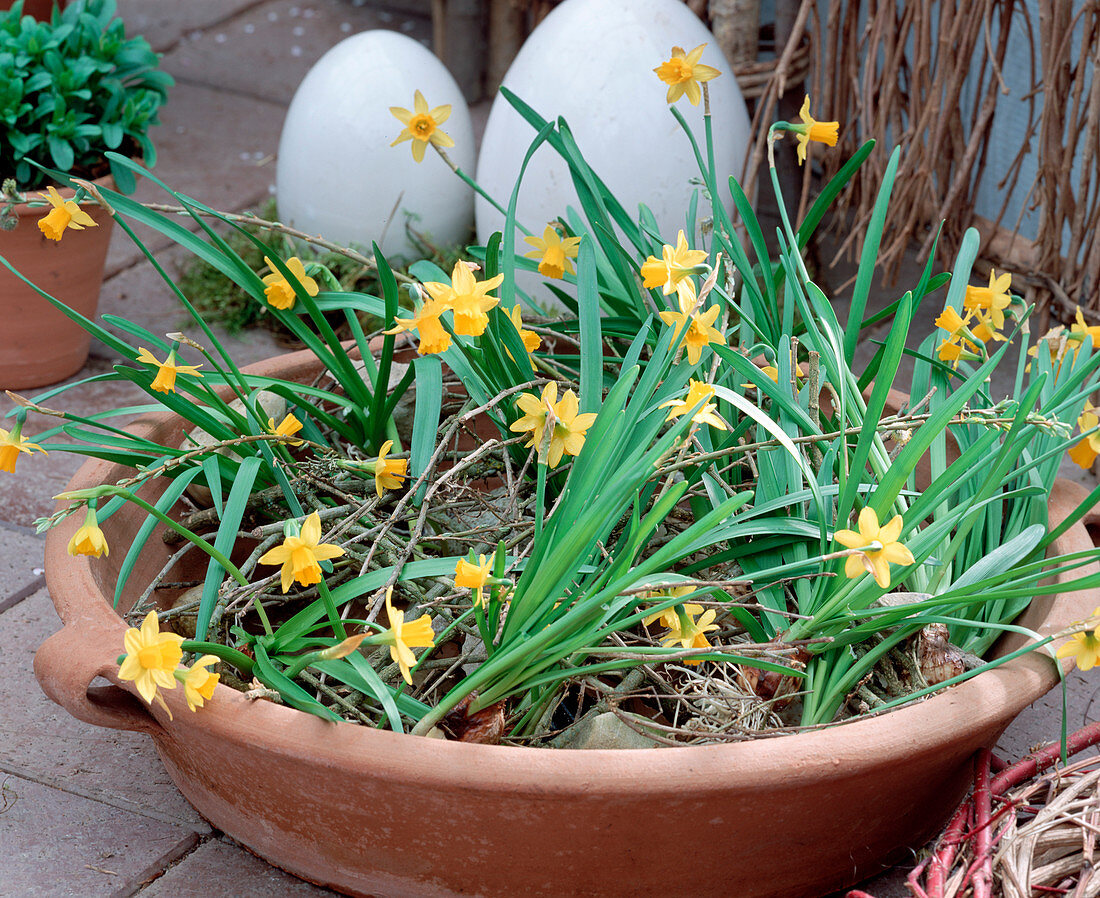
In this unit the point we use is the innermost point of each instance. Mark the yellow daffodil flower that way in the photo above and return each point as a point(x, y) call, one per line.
point(64, 214)
point(1085, 451)
point(994, 299)
point(1059, 341)
point(467, 297)
point(389, 472)
point(289, 426)
point(279, 292)
point(422, 125)
point(569, 428)
point(700, 329)
point(433, 336)
point(1084, 647)
point(531, 340)
point(11, 444)
point(198, 682)
point(403, 637)
point(474, 576)
point(683, 73)
point(165, 381)
point(299, 554)
point(683, 628)
point(89, 539)
point(673, 266)
point(553, 252)
point(813, 130)
point(1079, 330)
point(151, 658)
point(985, 327)
point(535, 412)
point(698, 391)
point(956, 345)
point(668, 617)
point(878, 547)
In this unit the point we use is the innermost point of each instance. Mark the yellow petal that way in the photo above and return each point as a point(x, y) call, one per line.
point(868, 523)
point(890, 532)
point(849, 539)
point(311, 529)
point(898, 554)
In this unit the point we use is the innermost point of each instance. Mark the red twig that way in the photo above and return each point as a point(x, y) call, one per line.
point(1046, 757)
point(912, 881)
point(983, 837)
point(979, 806)
point(941, 862)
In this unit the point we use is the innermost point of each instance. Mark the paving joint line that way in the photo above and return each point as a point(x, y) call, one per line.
point(229, 91)
point(16, 597)
point(19, 528)
point(182, 850)
point(102, 796)
point(206, 26)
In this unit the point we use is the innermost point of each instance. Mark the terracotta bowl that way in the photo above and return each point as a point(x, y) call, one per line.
point(371, 812)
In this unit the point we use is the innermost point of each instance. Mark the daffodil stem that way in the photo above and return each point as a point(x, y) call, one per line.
point(234, 572)
point(262, 614)
point(301, 663)
point(229, 655)
point(712, 177)
point(330, 608)
point(477, 187)
point(773, 132)
point(540, 499)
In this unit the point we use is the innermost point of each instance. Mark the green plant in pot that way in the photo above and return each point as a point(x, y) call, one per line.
point(72, 88)
point(677, 517)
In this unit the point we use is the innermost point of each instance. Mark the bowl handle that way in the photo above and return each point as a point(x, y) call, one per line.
point(66, 665)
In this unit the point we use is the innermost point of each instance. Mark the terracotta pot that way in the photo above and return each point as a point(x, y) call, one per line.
point(40, 9)
point(372, 812)
point(39, 345)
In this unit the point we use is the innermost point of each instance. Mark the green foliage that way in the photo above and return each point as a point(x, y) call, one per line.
point(693, 473)
point(72, 88)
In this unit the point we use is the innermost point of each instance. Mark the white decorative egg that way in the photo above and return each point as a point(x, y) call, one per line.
point(592, 62)
point(337, 174)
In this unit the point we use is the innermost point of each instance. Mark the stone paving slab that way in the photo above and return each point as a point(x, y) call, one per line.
point(221, 867)
point(266, 51)
point(55, 844)
point(164, 23)
point(1041, 722)
point(40, 741)
point(21, 558)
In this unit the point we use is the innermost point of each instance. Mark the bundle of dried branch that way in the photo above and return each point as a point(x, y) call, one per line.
point(896, 73)
point(1022, 833)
